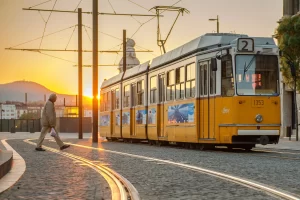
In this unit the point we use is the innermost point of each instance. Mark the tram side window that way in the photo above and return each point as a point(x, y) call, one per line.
point(190, 81)
point(227, 76)
point(117, 97)
point(153, 89)
point(108, 102)
point(101, 102)
point(126, 96)
point(105, 101)
point(212, 83)
point(113, 99)
point(133, 94)
point(161, 85)
point(179, 80)
point(170, 85)
point(140, 93)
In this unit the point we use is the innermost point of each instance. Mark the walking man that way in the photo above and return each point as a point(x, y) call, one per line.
point(48, 122)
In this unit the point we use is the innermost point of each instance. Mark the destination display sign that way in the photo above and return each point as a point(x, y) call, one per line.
point(245, 44)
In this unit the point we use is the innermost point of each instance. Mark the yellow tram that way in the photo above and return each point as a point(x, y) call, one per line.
point(216, 90)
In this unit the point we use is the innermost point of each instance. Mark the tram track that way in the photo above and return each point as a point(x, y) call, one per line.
point(272, 191)
point(121, 188)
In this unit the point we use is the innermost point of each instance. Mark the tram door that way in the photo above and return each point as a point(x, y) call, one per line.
point(133, 111)
point(207, 101)
point(161, 107)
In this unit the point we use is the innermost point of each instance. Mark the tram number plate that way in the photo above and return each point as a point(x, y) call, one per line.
point(258, 103)
point(245, 44)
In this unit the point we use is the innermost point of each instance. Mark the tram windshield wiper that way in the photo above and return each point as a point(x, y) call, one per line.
point(247, 67)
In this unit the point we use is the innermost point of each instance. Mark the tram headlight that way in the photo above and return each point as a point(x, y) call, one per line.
point(259, 118)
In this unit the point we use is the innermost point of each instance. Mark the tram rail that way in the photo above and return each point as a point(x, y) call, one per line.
point(121, 188)
point(238, 180)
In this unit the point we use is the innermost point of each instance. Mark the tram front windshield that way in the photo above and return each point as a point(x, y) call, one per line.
point(257, 75)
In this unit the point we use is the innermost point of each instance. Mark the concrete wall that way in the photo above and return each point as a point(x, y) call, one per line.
point(286, 110)
point(291, 7)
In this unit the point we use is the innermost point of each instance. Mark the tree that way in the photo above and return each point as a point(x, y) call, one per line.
point(30, 115)
point(288, 35)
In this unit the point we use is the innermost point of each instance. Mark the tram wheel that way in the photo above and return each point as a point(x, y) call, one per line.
point(201, 147)
point(158, 143)
point(192, 146)
point(229, 147)
point(248, 148)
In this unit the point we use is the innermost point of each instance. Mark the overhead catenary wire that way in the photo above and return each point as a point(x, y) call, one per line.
point(44, 36)
point(87, 34)
point(136, 20)
point(118, 54)
point(47, 23)
point(112, 7)
point(42, 17)
point(55, 57)
point(71, 37)
point(119, 39)
point(78, 5)
point(139, 5)
point(40, 4)
point(150, 20)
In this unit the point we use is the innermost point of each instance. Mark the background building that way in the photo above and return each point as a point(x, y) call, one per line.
point(7, 111)
point(290, 8)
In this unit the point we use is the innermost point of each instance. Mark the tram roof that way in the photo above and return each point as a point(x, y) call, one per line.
point(136, 70)
point(112, 80)
point(129, 73)
point(204, 42)
point(259, 41)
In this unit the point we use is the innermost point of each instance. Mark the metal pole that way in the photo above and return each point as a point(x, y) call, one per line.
point(79, 73)
point(95, 70)
point(124, 51)
point(217, 23)
point(1, 117)
point(296, 108)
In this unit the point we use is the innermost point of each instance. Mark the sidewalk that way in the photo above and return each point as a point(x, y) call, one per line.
point(48, 175)
point(284, 143)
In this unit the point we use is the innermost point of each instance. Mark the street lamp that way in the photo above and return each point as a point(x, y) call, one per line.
point(217, 22)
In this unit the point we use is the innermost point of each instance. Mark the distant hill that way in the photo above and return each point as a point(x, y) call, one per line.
point(15, 91)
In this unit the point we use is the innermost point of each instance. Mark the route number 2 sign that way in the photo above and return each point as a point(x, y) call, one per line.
point(245, 44)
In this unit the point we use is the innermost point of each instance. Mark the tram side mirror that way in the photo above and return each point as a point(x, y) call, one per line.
point(213, 64)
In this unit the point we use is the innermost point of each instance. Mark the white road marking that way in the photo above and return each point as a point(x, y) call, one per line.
point(249, 183)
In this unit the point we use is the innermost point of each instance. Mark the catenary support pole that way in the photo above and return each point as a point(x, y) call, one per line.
point(296, 108)
point(95, 70)
point(124, 51)
point(79, 73)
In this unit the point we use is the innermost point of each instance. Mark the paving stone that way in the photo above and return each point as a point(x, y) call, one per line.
point(51, 176)
point(154, 180)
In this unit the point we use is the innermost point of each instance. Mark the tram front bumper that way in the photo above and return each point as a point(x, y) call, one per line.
point(263, 137)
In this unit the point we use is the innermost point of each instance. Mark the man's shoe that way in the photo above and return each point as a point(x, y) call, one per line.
point(40, 149)
point(64, 147)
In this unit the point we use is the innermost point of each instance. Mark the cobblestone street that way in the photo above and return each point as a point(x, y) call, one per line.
point(52, 176)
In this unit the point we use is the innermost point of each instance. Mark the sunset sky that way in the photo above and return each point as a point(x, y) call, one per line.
point(252, 17)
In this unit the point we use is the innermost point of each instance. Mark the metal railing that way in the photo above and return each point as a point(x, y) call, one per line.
point(20, 125)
